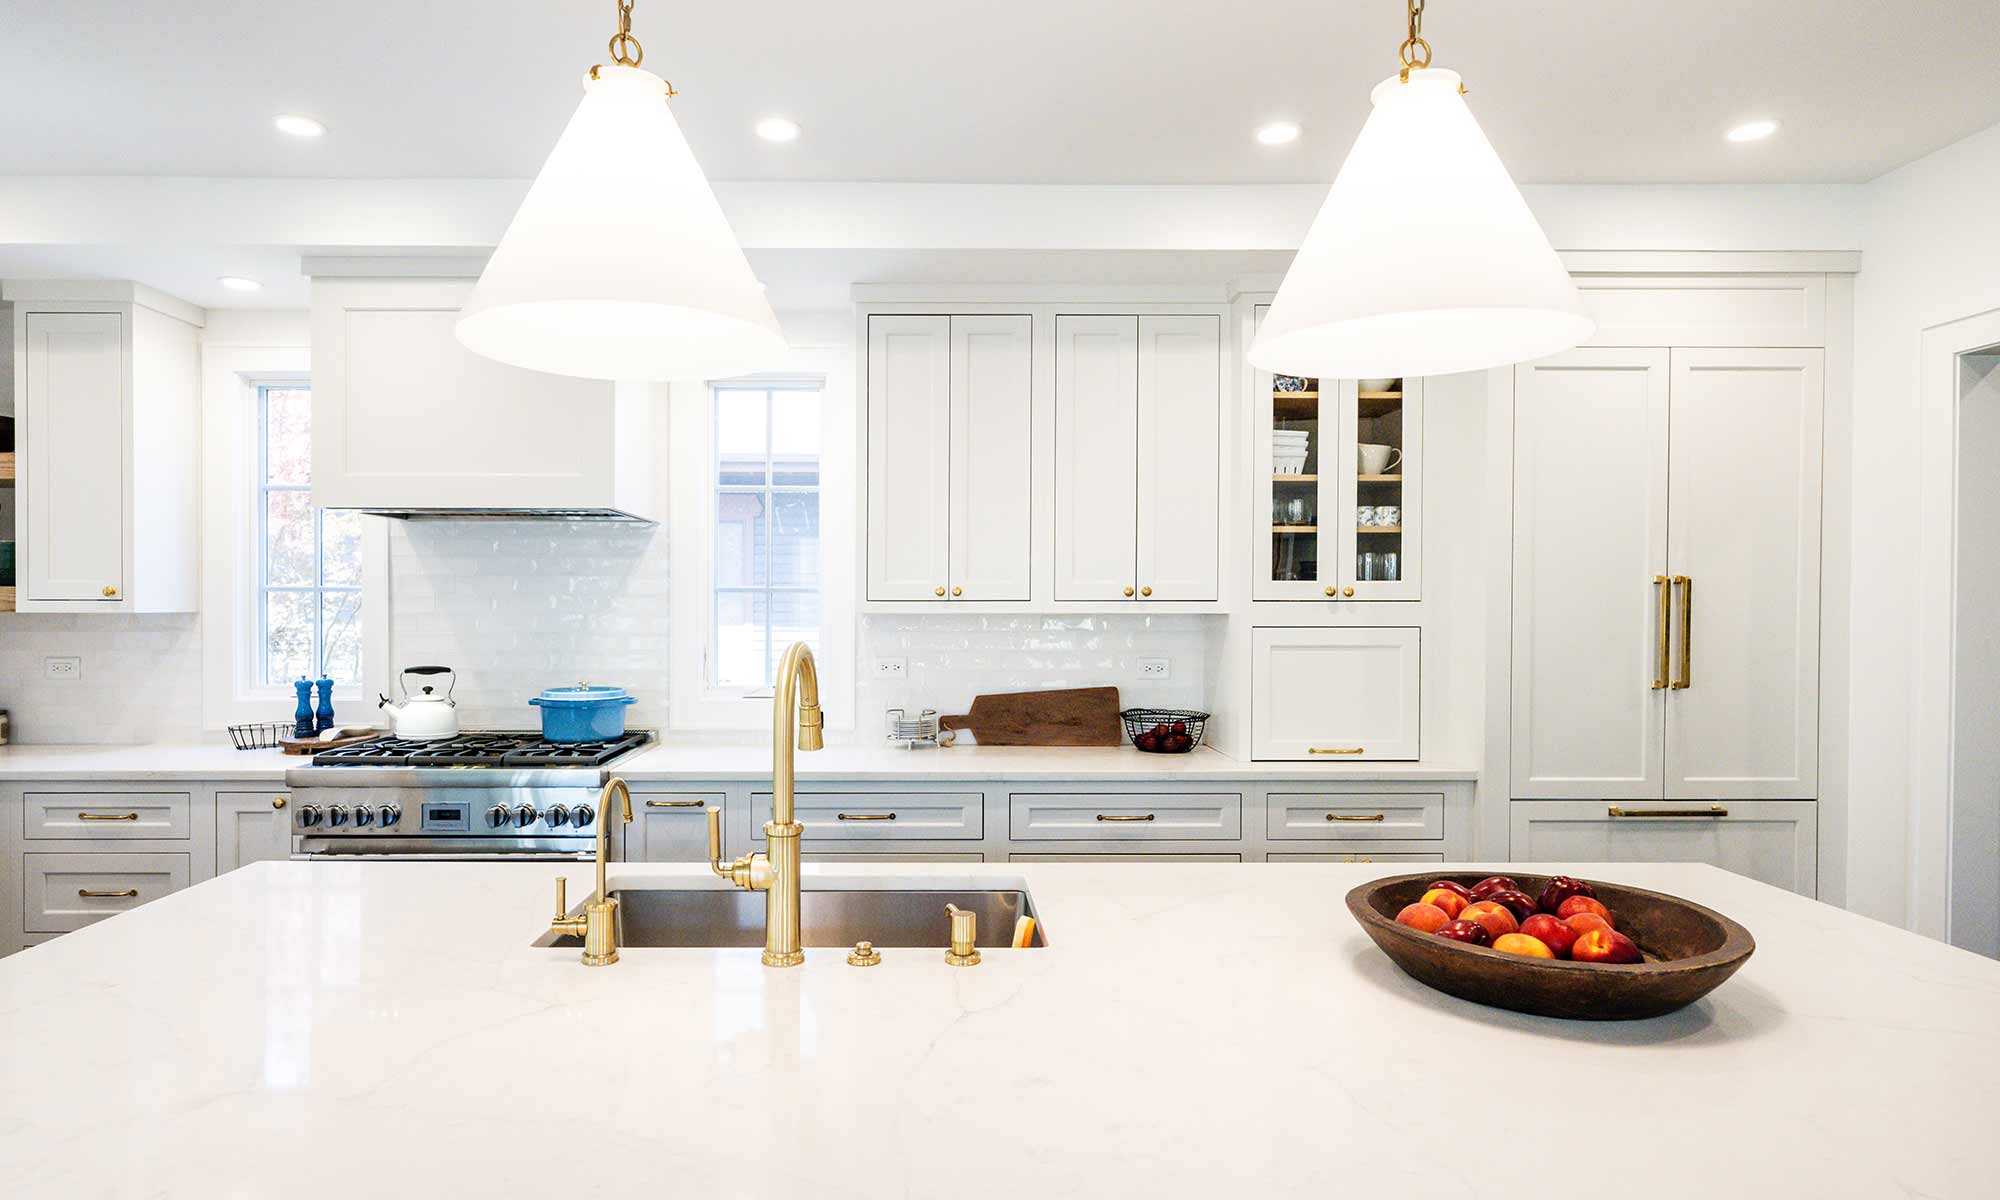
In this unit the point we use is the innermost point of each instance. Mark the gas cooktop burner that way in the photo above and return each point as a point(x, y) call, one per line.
point(499, 749)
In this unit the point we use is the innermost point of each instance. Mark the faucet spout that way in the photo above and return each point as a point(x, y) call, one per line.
point(597, 925)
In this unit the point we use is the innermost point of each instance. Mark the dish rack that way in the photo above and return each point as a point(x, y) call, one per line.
point(913, 733)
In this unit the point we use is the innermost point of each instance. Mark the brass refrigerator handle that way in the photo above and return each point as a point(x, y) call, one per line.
point(1687, 633)
point(1713, 810)
point(1666, 603)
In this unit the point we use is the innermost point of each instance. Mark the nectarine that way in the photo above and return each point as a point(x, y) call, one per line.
point(1577, 904)
point(1606, 946)
point(1584, 922)
point(1551, 932)
point(1451, 902)
point(1450, 886)
point(1522, 944)
point(1495, 917)
point(1424, 918)
point(1561, 888)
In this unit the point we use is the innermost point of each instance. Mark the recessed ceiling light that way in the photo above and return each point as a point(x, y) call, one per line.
point(777, 129)
point(298, 126)
point(237, 283)
point(1278, 133)
point(1753, 131)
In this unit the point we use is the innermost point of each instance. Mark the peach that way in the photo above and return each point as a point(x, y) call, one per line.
point(1495, 917)
point(1606, 946)
point(1451, 886)
point(1451, 902)
point(1584, 922)
point(1551, 932)
point(1424, 918)
point(1577, 904)
point(1523, 945)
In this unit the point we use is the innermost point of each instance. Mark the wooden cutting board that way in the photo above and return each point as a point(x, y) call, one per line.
point(1064, 717)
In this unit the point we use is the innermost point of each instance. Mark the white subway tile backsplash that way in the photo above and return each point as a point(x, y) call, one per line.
point(141, 677)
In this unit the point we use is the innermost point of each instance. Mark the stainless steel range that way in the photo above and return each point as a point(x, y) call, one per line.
point(474, 796)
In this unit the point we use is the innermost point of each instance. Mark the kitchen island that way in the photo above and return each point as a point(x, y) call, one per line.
point(388, 1029)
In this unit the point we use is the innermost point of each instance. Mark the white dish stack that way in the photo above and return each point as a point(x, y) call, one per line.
point(1289, 448)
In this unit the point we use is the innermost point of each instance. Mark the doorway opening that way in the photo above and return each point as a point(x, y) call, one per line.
point(1973, 821)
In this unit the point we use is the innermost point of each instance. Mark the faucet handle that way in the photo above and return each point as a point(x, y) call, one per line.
point(964, 950)
point(563, 923)
point(715, 838)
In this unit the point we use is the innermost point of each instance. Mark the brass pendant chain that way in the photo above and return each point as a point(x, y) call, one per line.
point(625, 49)
point(1415, 52)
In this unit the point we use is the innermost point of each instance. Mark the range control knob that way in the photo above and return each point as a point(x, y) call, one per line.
point(308, 815)
point(498, 816)
point(524, 815)
point(336, 815)
point(557, 815)
point(584, 816)
point(364, 816)
point(391, 814)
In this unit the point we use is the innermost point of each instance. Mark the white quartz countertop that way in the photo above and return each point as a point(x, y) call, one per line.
point(679, 760)
point(336, 1030)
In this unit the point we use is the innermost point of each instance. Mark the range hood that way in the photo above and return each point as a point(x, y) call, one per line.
point(408, 423)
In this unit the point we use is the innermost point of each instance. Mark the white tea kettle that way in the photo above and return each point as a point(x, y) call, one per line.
point(424, 714)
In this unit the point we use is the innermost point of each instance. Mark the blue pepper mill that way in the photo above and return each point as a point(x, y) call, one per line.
point(302, 717)
point(324, 717)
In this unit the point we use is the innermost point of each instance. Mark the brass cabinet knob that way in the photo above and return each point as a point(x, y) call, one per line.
point(1145, 591)
point(939, 591)
point(1128, 592)
point(109, 590)
point(1347, 591)
point(958, 591)
point(279, 802)
point(1332, 590)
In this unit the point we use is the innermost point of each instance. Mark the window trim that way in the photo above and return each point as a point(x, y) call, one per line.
point(262, 488)
point(770, 490)
point(695, 704)
point(231, 461)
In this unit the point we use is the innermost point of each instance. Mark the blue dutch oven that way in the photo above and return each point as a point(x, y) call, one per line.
point(583, 713)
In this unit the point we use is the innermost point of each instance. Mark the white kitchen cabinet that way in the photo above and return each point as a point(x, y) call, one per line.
point(406, 420)
point(251, 827)
point(107, 379)
point(1771, 840)
point(950, 481)
point(1666, 575)
point(1335, 695)
point(670, 827)
point(1137, 457)
point(65, 891)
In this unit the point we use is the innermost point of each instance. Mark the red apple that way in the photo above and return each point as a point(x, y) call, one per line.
point(1470, 932)
point(1448, 886)
point(1498, 921)
point(1424, 918)
point(1494, 883)
point(1606, 946)
point(1523, 945)
point(1516, 901)
point(1579, 904)
point(1584, 922)
point(1561, 888)
point(1451, 902)
point(1551, 932)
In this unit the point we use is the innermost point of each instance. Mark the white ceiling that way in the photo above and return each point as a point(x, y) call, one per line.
point(1044, 91)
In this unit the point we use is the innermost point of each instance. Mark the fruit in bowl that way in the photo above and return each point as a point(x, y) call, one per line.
point(1551, 931)
point(1560, 888)
point(1472, 933)
point(1424, 918)
point(1451, 886)
point(1515, 901)
point(1523, 945)
point(1452, 903)
point(1498, 921)
point(1579, 904)
point(1166, 738)
point(1584, 922)
point(1484, 889)
point(1606, 946)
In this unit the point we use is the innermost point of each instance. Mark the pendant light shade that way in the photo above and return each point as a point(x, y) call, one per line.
point(1424, 259)
point(619, 263)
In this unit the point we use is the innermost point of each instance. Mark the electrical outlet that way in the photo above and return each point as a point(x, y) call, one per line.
point(892, 668)
point(66, 667)
point(1155, 668)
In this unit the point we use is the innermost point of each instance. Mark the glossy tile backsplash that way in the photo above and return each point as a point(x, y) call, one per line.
point(951, 659)
point(141, 678)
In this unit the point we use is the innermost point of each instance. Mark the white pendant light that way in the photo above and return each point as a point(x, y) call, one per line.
point(1424, 259)
point(619, 263)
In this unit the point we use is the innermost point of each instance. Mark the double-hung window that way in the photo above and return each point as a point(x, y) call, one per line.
point(764, 589)
point(306, 612)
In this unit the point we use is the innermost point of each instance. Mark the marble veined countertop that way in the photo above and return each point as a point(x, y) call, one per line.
point(336, 1030)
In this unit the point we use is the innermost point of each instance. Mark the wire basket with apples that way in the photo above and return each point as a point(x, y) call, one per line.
point(1164, 730)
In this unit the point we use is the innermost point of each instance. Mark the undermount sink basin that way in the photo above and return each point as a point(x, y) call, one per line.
point(714, 917)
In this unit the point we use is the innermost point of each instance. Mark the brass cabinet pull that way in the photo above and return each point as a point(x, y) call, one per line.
point(91, 816)
point(1687, 633)
point(1357, 816)
point(1713, 810)
point(1128, 593)
point(127, 894)
point(1666, 604)
point(865, 816)
point(1347, 592)
point(938, 591)
point(278, 802)
point(673, 804)
point(1332, 590)
point(110, 591)
point(1124, 816)
point(1336, 750)
point(1146, 591)
point(958, 591)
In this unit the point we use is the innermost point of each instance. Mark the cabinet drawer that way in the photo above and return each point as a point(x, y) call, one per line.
point(839, 856)
point(1334, 695)
point(1126, 817)
point(879, 816)
point(1775, 841)
point(105, 816)
point(1362, 856)
point(1355, 816)
point(1145, 858)
point(670, 826)
point(69, 891)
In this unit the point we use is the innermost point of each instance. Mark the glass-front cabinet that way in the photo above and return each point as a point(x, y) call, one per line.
point(1338, 504)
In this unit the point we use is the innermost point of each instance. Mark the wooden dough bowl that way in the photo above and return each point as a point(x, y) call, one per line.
point(1689, 951)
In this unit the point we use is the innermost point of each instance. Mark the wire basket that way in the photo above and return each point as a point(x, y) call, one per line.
point(263, 735)
point(1164, 730)
point(912, 732)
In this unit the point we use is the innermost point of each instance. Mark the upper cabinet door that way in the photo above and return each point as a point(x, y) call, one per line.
point(1179, 460)
point(991, 457)
point(909, 457)
point(74, 437)
point(1378, 469)
point(1097, 435)
point(1335, 695)
point(1590, 551)
point(1744, 536)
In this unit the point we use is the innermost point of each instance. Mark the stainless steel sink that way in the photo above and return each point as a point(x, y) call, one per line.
point(710, 917)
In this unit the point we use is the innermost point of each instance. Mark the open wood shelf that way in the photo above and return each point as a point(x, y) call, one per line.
point(6, 599)
point(1294, 529)
point(1380, 395)
point(1297, 478)
point(7, 469)
point(1378, 479)
point(1378, 529)
point(1276, 395)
